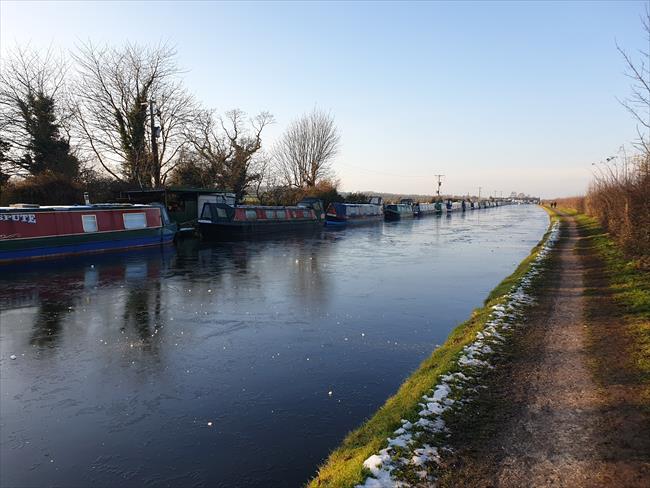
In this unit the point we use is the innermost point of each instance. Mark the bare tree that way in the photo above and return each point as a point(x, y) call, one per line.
point(115, 89)
point(267, 176)
point(638, 102)
point(305, 153)
point(34, 122)
point(229, 147)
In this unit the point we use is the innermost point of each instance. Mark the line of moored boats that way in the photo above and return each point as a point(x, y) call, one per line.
point(32, 231)
point(222, 218)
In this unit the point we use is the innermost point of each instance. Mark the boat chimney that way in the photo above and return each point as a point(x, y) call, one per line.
point(86, 198)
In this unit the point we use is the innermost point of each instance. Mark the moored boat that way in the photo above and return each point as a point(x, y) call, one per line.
point(35, 232)
point(341, 214)
point(421, 209)
point(452, 206)
point(398, 211)
point(223, 221)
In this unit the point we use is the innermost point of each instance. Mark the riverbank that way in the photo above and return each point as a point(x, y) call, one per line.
point(374, 451)
point(564, 399)
point(570, 405)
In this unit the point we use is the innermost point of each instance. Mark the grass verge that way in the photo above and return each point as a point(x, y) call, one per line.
point(344, 467)
point(622, 288)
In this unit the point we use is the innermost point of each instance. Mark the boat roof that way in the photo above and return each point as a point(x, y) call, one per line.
point(271, 207)
point(27, 207)
point(202, 191)
point(348, 204)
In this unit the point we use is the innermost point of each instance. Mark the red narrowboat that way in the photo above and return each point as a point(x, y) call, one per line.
point(35, 232)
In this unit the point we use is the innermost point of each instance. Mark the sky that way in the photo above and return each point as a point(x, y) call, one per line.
point(505, 96)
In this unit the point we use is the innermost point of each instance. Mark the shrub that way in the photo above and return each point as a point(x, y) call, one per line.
point(44, 189)
point(357, 198)
point(325, 190)
point(620, 200)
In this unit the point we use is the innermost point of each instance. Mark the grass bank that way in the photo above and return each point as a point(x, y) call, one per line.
point(618, 289)
point(344, 467)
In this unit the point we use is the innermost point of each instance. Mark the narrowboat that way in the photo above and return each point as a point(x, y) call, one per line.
point(451, 206)
point(225, 221)
point(398, 211)
point(34, 232)
point(421, 209)
point(341, 214)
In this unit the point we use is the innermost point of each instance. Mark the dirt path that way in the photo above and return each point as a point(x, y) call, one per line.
point(548, 422)
point(553, 441)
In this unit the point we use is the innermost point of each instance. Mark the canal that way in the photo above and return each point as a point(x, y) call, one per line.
point(237, 364)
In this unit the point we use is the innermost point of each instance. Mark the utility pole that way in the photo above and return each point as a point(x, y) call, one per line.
point(154, 143)
point(479, 193)
point(439, 184)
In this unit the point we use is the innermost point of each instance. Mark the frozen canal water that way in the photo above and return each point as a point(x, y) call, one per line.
point(231, 364)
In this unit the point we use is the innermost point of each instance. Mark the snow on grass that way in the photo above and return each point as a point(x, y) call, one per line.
point(413, 453)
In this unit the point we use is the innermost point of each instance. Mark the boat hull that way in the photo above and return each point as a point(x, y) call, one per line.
point(221, 231)
point(59, 246)
point(424, 213)
point(392, 215)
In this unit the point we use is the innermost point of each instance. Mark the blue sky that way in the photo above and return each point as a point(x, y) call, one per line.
point(506, 96)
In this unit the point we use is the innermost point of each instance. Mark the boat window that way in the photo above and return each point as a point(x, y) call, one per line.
point(207, 213)
point(270, 214)
point(281, 214)
point(135, 220)
point(251, 215)
point(221, 213)
point(89, 223)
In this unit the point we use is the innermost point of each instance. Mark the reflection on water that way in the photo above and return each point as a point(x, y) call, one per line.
point(211, 364)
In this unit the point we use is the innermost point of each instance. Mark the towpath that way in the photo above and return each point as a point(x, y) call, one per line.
point(549, 421)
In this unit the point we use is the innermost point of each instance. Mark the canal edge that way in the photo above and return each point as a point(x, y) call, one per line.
point(365, 453)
